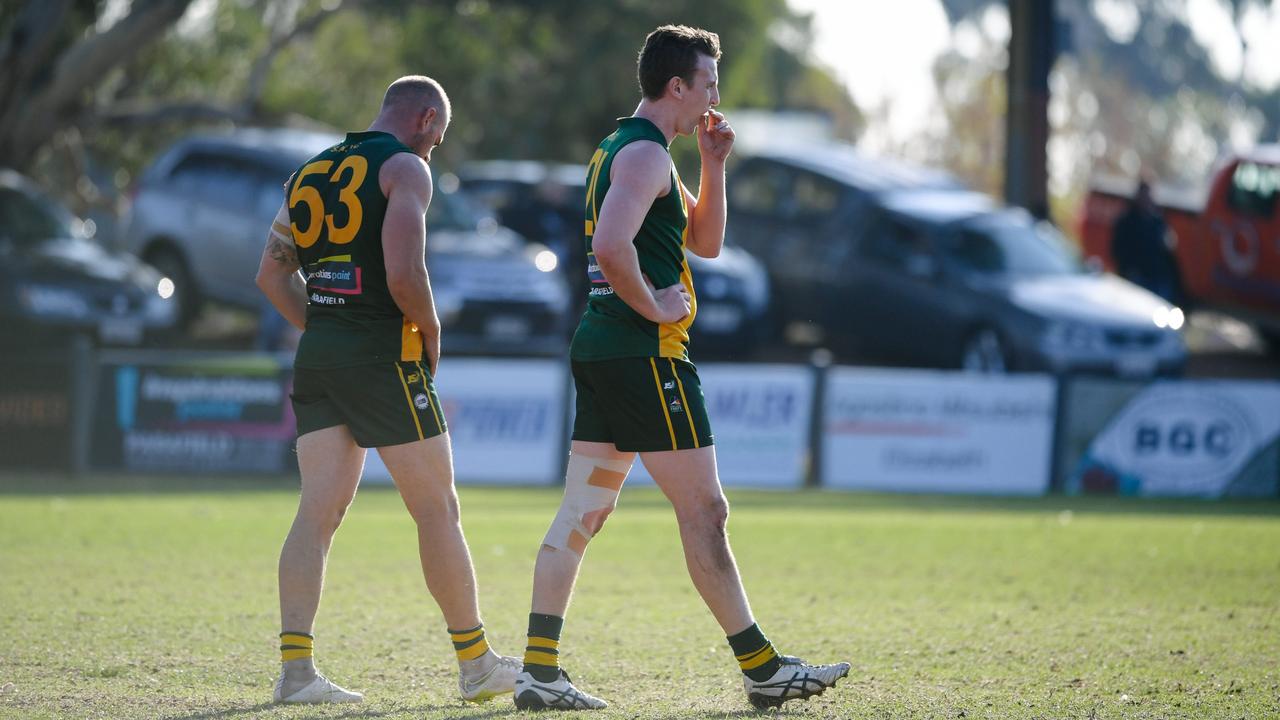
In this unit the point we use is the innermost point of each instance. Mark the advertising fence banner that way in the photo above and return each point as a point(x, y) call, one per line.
point(1198, 438)
point(943, 432)
point(505, 418)
point(207, 414)
point(36, 405)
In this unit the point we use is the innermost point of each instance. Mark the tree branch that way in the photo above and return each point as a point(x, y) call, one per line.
point(279, 39)
point(82, 67)
point(27, 47)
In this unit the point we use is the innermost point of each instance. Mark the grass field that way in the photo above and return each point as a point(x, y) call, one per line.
point(122, 599)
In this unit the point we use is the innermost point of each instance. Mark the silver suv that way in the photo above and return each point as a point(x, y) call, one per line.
point(200, 216)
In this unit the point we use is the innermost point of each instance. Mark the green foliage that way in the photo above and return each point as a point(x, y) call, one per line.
point(541, 80)
point(160, 601)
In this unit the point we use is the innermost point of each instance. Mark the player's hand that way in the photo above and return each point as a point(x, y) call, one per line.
point(673, 303)
point(715, 137)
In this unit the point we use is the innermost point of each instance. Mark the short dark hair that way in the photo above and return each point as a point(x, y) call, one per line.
point(672, 51)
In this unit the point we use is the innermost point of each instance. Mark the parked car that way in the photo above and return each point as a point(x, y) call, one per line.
point(545, 202)
point(1227, 251)
point(60, 280)
point(201, 212)
point(886, 262)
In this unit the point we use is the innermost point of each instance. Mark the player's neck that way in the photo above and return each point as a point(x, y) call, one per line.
point(660, 115)
point(383, 125)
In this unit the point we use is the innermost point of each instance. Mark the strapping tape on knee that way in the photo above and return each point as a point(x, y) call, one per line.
point(590, 485)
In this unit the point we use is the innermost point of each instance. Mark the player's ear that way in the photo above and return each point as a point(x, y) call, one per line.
point(428, 115)
point(675, 87)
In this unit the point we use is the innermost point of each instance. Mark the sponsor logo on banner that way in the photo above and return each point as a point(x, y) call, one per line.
point(195, 416)
point(922, 431)
point(1183, 438)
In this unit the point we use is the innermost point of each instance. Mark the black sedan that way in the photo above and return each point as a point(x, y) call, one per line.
point(544, 202)
point(63, 282)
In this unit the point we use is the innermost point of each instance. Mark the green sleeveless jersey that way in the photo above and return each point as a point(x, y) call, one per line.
point(336, 209)
point(610, 328)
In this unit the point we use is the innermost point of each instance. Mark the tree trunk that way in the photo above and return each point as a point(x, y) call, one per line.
point(37, 105)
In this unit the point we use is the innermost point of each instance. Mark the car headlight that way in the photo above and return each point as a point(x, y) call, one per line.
point(1073, 337)
point(53, 301)
point(1169, 317)
point(546, 261)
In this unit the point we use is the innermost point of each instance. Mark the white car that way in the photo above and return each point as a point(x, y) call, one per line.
point(201, 212)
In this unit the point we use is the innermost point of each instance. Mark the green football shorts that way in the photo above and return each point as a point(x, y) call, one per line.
point(384, 404)
point(641, 404)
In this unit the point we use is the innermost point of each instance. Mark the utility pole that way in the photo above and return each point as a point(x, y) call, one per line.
point(1032, 49)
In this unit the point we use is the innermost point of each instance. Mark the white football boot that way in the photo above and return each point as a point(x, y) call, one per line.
point(319, 690)
point(501, 678)
point(795, 680)
point(533, 694)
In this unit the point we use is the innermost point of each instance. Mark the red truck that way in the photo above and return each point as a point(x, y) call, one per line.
point(1227, 245)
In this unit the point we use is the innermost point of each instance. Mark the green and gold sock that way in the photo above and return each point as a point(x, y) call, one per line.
point(756, 656)
point(295, 646)
point(469, 644)
point(542, 656)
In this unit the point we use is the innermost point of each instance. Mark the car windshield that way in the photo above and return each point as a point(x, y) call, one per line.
point(1003, 246)
point(28, 220)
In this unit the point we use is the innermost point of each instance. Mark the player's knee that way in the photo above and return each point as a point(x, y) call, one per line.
point(322, 519)
point(594, 520)
point(711, 513)
point(441, 508)
point(718, 512)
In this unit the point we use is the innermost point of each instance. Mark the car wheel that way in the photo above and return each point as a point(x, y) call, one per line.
point(186, 297)
point(984, 352)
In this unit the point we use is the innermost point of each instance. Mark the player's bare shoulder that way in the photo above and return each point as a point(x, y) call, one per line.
point(644, 167)
point(405, 172)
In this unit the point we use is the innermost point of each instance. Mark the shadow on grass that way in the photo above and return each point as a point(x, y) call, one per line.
point(356, 711)
point(38, 484)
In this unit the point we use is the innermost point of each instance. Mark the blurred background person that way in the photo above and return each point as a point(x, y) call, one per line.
point(1140, 246)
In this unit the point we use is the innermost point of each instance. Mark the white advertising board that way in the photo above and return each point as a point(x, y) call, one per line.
point(760, 419)
point(506, 421)
point(942, 432)
point(1197, 438)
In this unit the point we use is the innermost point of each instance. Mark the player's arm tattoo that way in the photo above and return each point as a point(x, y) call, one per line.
point(280, 247)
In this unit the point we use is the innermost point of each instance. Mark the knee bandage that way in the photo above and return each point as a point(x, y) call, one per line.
point(591, 488)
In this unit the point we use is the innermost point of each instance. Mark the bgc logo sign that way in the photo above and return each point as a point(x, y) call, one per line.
point(1183, 434)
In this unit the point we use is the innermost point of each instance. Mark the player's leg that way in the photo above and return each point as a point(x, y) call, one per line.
point(592, 481)
point(595, 473)
point(423, 472)
point(330, 463)
point(688, 477)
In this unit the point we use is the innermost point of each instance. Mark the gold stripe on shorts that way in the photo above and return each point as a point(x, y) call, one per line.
point(662, 400)
point(688, 413)
point(409, 399)
point(434, 412)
